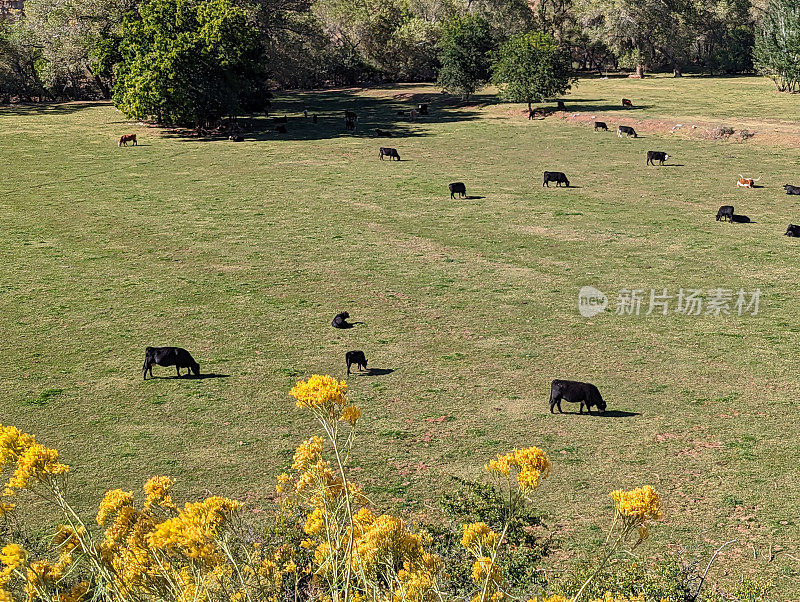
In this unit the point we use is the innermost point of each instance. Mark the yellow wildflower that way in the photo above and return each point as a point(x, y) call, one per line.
point(479, 537)
point(483, 568)
point(323, 392)
point(113, 502)
point(640, 504)
point(307, 453)
point(530, 464)
point(157, 491)
point(36, 463)
point(351, 414)
point(551, 599)
point(68, 538)
point(6, 596)
point(315, 522)
point(5, 508)
point(13, 443)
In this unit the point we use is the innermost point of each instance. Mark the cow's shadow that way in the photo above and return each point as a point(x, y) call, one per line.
point(473, 198)
point(189, 376)
point(607, 414)
point(672, 165)
point(374, 372)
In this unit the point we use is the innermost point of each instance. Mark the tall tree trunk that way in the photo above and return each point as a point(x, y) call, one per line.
point(640, 70)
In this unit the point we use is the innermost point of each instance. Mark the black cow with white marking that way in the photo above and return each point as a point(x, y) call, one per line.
point(653, 156)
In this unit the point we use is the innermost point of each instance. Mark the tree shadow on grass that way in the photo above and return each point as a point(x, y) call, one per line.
point(51, 108)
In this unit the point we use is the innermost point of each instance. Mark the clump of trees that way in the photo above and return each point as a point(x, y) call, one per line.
point(777, 49)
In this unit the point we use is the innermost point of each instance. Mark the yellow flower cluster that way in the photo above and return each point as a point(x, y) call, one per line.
point(530, 465)
point(157, 491)
point(12, 557)
point(13, 444)
point(479, 538)
point(324, 392)
point(351, 414)
point(639, 504)
point(307, 453)
point(193, 531)
point(550, 599)
point(68, 539)
point(611, 597)
point(34, 463)
point(113, 503)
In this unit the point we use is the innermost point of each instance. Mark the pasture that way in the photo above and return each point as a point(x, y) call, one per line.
point(243, 252)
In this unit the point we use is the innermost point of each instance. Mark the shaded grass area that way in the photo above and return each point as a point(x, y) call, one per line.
point(244, 252)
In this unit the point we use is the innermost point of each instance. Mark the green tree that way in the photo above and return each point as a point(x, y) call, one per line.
point(464, 54)
point(777, 49)
point(532, 67)
point(187, 62)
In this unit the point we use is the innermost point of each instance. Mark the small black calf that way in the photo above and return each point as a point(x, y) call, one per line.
point(791, 189)
point(627, 130)
point(793, 230)
point(389, 152)
point(168, 356)
point(555, 176)
point(653, 156)
point(355, 357)
point(457, 188)
point(340, 321)
point(740, 219)
point(575, 392)
point(725, 211)
point(600, 125)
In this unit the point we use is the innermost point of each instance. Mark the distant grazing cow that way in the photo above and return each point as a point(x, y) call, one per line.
point(600, 125)
point(555, 176)
point(793, 230)
point(340, 321)
point(627, 130)
point(746, 182)
point(423, 109)
point(653, 156)
point(382, 133)
point(314, 118)
point(283, 119)
point(236, 138)
point(355, 357)
point(168, 356)
point(457, 188)
point(740, 219)
point(281, 129)
point(627, 103)
point(389, 152)
point(791, 189)
point(350, 116)
point(560, 105)
point(725, 211)
point(575, 392)
point(125, 138)
point(350, 125)
point(412, 115)
point(305, 113)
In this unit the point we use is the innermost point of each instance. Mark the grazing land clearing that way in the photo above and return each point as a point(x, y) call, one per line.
point(242, 253)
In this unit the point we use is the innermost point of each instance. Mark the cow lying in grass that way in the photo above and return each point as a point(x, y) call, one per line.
point(743, 182)
point(791, 189)
point(340, 321)
point(555, 176)
point(575, 392)
point(169, 356)
point(793, 230)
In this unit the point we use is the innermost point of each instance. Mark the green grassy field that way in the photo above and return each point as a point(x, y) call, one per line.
point(243, 253)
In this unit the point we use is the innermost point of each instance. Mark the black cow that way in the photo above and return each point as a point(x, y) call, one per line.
point(555, 176)
point(389, 152)
point(423, 109)
point(340, 321)
point(350, 125)
point(168, 356)
point(740, 219)
point(236, 138)
point(560, 105)
point(725, 211)
point(793, 230)
point(355, 357)
point(350, 116)
point(627, 130)
point(314, 118)
point(627, 103)
point(458, 188)
point(382, 133)
point(600, 125)
point(791, 189)
point(575, 392)
point(653, 156)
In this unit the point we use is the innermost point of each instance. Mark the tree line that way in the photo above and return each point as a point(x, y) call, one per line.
point(185, 61)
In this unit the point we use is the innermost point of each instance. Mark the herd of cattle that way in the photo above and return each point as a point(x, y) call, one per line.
point(586, 394)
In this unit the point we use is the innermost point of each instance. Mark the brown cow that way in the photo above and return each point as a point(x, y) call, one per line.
point(125, 138)
point(746, 182)
point(627, 103)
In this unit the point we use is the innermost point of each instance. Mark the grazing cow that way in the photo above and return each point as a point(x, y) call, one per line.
point(457, 188)
point(600, 125)
point(283, 119)
point(725, 211)
point(355, 357)
point(746, 182)
point(350, 116)
point(627, 103)
point(560, 105)
point(793, 230)
point(740, 219)
point(555, 176)
point(575, 392)
point(305, 113)
point(791, 189)
point(281, 129)
point(350, 125)
point(627, 130)
point(125, 138)
point(340, 321)
point(314, 118)
point(236, 138)
point(412, 115)
point(382, 133)
point(653, 156)
point(389, 152)
point(423, 109)
point(531, 113)
point(168, 356)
